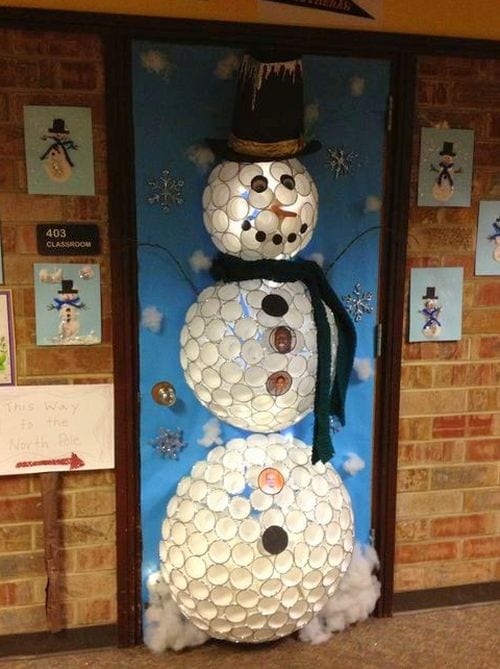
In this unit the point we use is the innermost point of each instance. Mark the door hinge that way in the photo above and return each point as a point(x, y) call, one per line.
point(388, 113)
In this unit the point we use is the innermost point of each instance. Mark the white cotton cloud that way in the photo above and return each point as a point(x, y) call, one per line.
point(373, 203)
point(199, 261)
point(353, 464)
point(164, 625)
point(357, 86)
point(152, 319)
point(211, 434)
point(352, 602)
point(201, 156)
point(227, 66)
point(318, 258)
point(363, 368)
point(155, 61)
point(50, 277)
point(311, 113)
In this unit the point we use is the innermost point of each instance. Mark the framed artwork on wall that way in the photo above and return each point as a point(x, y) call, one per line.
point(59, 151)
point(7, 342)
point(436, 304)
point(445, 169)
point(488, 238)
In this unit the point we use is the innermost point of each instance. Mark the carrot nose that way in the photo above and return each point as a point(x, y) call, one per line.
point(275, 207)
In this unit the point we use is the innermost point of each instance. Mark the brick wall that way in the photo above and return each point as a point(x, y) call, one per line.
point(448, 506)
point(53, 69)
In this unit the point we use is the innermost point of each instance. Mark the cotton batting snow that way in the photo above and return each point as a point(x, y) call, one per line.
point(373, 203)
point(357, 86)
point(201, 156)
point(199, 261)
point(363, 368)
point(318, 258)
point(164, 625)
point(211, 434)
point(352, 602)
point(152, 319)
point(227, 66)
point(353, 464)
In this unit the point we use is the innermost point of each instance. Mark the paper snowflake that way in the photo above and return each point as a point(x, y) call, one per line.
point(166, 191)
point(169, 443)
point(358, 303)
point(340, 161)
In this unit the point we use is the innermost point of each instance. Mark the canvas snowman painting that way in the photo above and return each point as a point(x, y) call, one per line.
point(258, 533)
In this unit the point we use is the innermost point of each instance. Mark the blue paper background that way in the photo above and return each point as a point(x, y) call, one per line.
point(177, 102)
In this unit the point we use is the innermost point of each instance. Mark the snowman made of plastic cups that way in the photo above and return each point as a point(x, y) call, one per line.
point(258, 536)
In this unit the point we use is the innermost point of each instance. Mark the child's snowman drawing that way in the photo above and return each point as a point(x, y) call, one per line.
point(445, 181)
point(265, 345)
point(68, 305)
point(56, 159)
point(431, 313)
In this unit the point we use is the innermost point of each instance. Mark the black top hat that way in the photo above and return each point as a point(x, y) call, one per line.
point(430, 293)
point(447, 149)
point(67, 286)
point(58, 126)
point(268, 114)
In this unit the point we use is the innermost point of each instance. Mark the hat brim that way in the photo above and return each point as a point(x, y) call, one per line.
point(222, 150)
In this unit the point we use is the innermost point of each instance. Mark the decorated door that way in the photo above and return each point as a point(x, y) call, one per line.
point(198, 377)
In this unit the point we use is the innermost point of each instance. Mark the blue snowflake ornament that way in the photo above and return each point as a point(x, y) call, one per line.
point(357, 303)
point(341, 161)
point(166, 191)
point(169, 443)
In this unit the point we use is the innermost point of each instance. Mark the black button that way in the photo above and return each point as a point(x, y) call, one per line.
point(277, 239)
point(275, 539)
point(292, 237)
point(303, 227)
point(260, 235)
point(274, 305)
point(246, 225)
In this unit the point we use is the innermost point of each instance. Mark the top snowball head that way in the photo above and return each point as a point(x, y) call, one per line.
point(260, 209)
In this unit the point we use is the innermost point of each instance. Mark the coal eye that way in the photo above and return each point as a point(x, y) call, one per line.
point(259, 184)
point(288, 181)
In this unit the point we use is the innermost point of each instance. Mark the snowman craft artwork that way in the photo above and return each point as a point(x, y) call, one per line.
point(431, 313)
point(56, 159)
point(259, 535)
point(495, 238)
point(444, 185)
point(68, 306)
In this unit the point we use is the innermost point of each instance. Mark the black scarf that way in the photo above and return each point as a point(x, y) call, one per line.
point(330, 394)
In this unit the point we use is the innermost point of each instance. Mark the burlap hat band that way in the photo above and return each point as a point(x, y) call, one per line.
point(287, 147)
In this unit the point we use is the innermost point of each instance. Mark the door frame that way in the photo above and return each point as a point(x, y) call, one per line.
point(124, 280)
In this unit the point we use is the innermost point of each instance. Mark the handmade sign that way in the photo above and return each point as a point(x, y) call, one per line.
point(56, 428)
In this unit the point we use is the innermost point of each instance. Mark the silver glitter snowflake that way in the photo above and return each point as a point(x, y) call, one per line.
point(169, 443)
point(341, 161)
point(358, 303)
point(166, 191)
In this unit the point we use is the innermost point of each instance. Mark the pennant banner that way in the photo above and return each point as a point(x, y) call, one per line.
point(337, 6)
